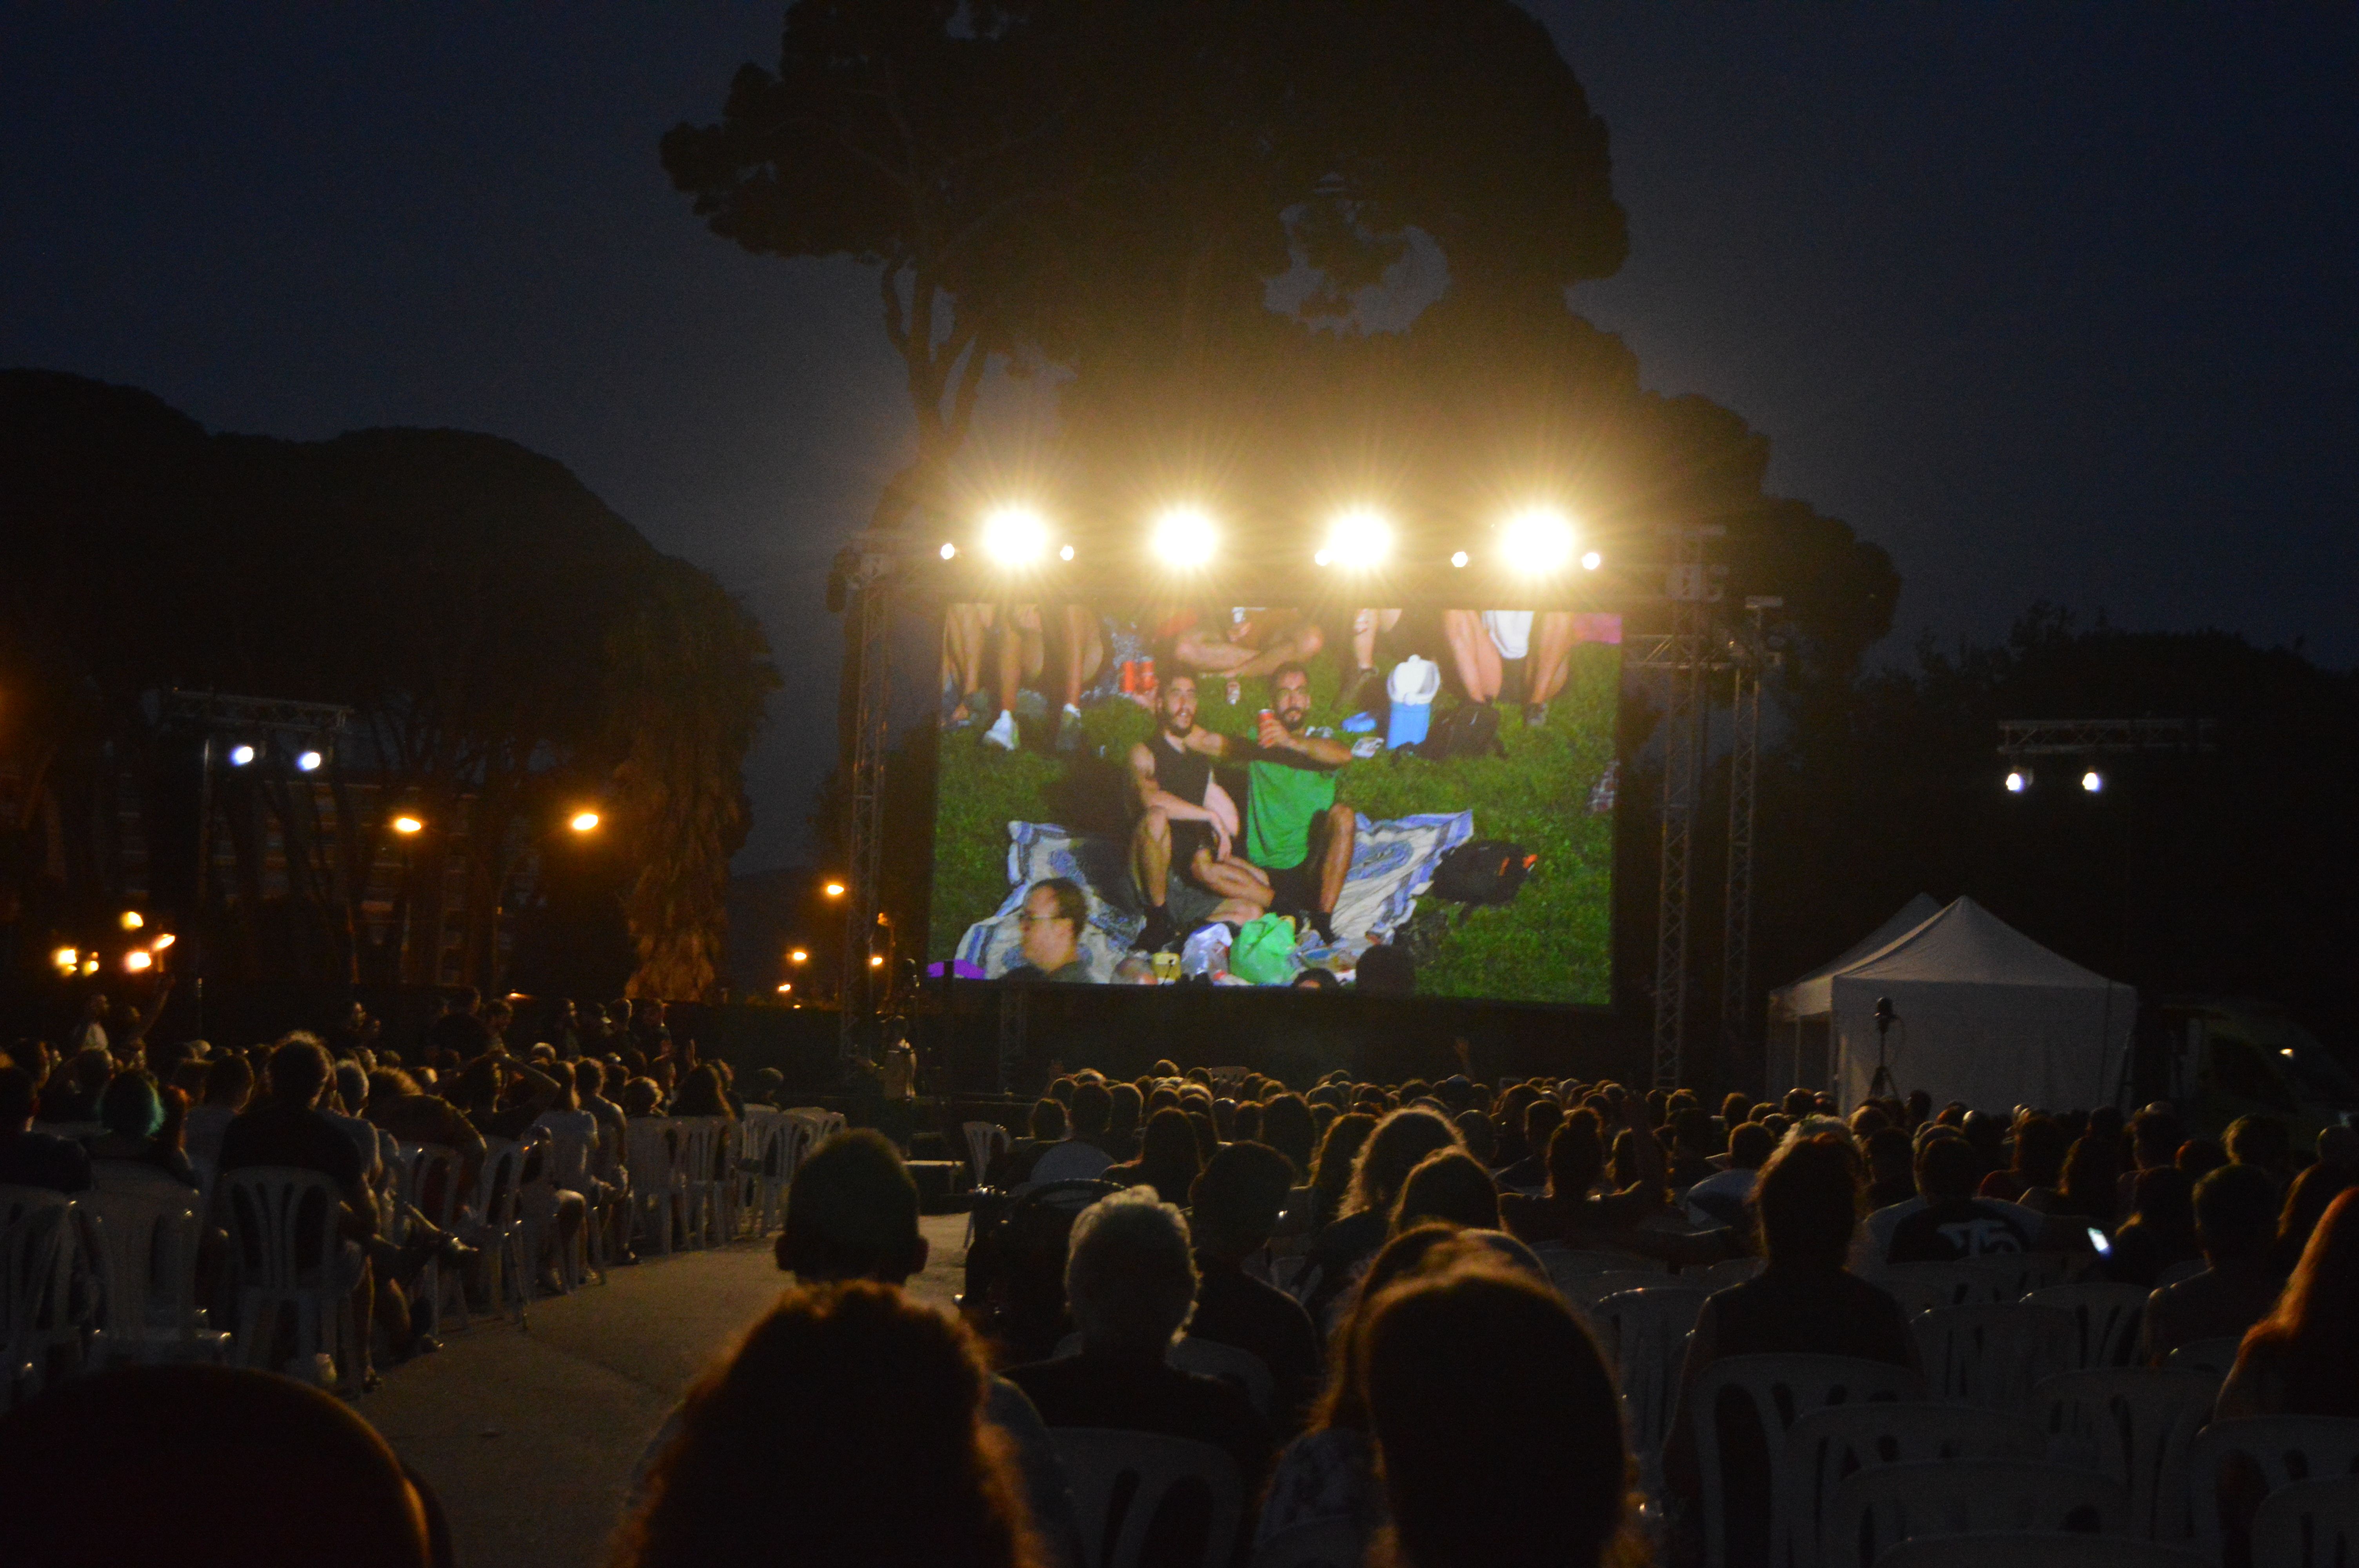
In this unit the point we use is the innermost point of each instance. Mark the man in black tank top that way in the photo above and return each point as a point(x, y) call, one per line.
point(1186, 819)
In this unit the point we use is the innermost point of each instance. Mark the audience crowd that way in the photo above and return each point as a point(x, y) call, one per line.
point(1349, 1298)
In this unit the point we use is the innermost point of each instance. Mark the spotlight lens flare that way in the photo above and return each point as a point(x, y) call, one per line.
point(2016, 783)
point(1458, 558)
point(165, 940)
point(1184, 537)
point(240, 755)
point(2093, 781)
point(65, 958)
point(139, 959)
point(132, 920)
point(308, 760)
point(583, 821)
point(949, 551)
point(1359, 538)
point(1537, 541)
point(833, 890)
point(407, 825)
point(1591, 561)
point(1015, 536)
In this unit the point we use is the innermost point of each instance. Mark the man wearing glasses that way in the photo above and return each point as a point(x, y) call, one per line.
point(1051, 919)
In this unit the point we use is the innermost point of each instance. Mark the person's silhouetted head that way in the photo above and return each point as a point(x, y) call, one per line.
point(1130, 1277)
point(1092, 1106)
point(1048, 1120)
point(1947, 1170)
point(1237, 1199)
point(229, 1082)
point(1339, 1151)
point(846, 1428)
point(2235, 1213)
point(300, 1068)
point(1477, 1132)
point(1402, 1139)
point(1576, 1156)
point(1449, 1185)
point(2261, 1140)
point(1807, 1200)
point(852, 1214)
point(275, 1472)
point(1167, 1156)
point(1498, 1420)
point(1749, 1144)
point(2315, 1324)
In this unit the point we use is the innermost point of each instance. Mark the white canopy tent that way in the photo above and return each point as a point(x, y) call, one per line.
point(1983, 1014)
point(1801, 1014)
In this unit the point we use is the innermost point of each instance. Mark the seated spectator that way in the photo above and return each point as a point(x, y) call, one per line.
point(1692, 1146)
point(642, 1097)
point(2235, 1221)
point(2036, 1168)
point(2264, 1143)
point(2092, 1167)
point(1949, 1222)
point(1571, 1212)
point(1288, 1126)
point(1720, 1199)
point(70, 1096)
point(703, 1092)
point(1235, 1206)
point(1330, 1183)
point(1167, 1159)
point(1449, 1185)
point(2159, 1232)
point(2303, 1358)
point(30, 1159)
point(1498, 1423)
point(129, 1156)
point(1872, 1248)
point(2306, 1199)
point(896, 1467)
point(1341, 1251)
point(1892, 1167)
point(274, 1472)
point(1476, 1130)
point(1805, 1300)
point(398, 1105)
point(770, 1088)
point(2199, 1157)
point(1530, 1174)
point(2155, 1134)
point(229, 1084)
point(1125, 1116)
point(1130, 1282)
point(1083, 1156)
point(287, 1129)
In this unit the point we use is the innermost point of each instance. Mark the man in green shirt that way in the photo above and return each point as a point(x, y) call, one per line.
point(1296, 830)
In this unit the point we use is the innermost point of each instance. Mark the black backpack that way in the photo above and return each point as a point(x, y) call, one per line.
point(1487, 871)
point(1469, 730)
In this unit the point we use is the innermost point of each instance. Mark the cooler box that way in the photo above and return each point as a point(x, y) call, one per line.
point(1413, 686)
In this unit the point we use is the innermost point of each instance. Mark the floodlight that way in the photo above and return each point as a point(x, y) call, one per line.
point(2017, 781)
point(1015, 536)
point(1359, 537)
point(833, 890)
point(164, 941)
point(2093, 781)
point(1458, 558)
point(949, 551)
point(1185, 537)
point(65, 958)
point(90, 965)
point(308, 760)
point(132, 921)
point(1066, 554)
point(1591, 561)
point(1537, 541)
point(798, 957)
point(139, 959)
point(407, 825)
point(240, 755)
point(584, 822)
point(875, 960)
point(785, 987)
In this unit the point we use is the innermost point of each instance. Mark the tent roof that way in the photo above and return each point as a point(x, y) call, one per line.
point(1967, 945)
point(1791, 999)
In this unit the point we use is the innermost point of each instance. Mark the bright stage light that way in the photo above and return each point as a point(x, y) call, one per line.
point(308, 760)
point(2017, 782)
point(584, 822)
point(1458, 557)
point(405, 825)
point(165, 940)
point(1359, 538)
point(2093, 781)
point(1015, 536)
point(1537, 541)
point(1591, 561)
point(785, 987)
point(65, 958)
point(949, 551)
point(1184, 537)
point(875, 960)
point(132, 920)
point(833, 890)
point(139, 959)
point(90, 965)
point(240, 755)
point(1066, 554)
point(798, 957)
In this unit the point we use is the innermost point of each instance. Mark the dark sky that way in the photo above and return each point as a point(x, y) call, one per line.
point(2050, 302)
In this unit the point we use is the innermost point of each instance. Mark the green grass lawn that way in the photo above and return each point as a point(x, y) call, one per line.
point(1552, 944)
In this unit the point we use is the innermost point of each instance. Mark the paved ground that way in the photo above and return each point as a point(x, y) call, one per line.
point(530, 1437)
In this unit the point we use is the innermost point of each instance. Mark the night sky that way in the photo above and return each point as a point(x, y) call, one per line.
point(2050, 302)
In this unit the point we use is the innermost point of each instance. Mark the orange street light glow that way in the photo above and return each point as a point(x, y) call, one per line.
point(137, 959)
point(833, 890)
point(798, 957)
point(583, 821)
point(165, 940)
point(406, 824)
point(132, 921)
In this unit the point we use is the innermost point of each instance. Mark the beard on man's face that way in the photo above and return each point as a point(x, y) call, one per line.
point(1294, 718)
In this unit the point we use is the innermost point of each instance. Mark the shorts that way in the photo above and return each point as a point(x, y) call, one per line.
point(1511, 632)
point(1295, 890)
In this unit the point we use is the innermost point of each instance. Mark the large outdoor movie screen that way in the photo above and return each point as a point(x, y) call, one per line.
point(1401, 802)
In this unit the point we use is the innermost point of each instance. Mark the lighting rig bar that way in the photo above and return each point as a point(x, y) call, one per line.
point(2110, 737)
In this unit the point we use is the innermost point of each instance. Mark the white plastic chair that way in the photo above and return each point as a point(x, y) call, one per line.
point(564, 1163)
point(703, 1197)
point(1582, 1292)
point(2135, 1424)
point(288, 1256)
point(498, 1228)
point(1782, 1389)
point(2038, 1548)
point(1876, 1508)
point(2215, 1355)
point(1644, 1333)
point(780, 1141)
point(1098, 1460)
point(984, 1142)
point(1920, 1287)
point(1827, 1446)
point(2308, 1524)
point(148, 1246)
point(1989, 1354)
point(431, 1185)
point(2180, 1273)
point(2106, 1316)
point(1711, 1277)
point(1329, 1543)
point(34, 1252)
point(2283, 1449)
point(651, 1144)
point(1211, 1358)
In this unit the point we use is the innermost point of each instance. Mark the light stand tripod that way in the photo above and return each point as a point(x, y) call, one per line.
point(1880, 1086)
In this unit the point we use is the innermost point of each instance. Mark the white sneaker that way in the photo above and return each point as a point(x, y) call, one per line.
point(1002, 733)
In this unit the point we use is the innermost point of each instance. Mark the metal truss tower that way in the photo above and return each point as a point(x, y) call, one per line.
point(1689, 588)
point(1749, 654)
point(866, 568)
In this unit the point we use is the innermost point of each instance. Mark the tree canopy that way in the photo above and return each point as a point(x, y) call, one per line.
point(502, 636)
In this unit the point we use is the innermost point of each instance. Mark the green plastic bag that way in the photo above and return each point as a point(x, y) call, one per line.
point(1264, 951)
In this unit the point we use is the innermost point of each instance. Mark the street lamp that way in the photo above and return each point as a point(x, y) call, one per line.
point(833, 890)
point(798, 957)
point(584, 822)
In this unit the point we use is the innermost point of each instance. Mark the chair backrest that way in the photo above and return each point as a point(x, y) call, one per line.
point(1211, 1358)
point(282, 1226)
point(1328, 1544)
point(16, 1202)
point(1966, 1283)
point(984, 1140)
point(1646, 1333)
point(1584, 1292)
point(430, 1184)
point(2176, 1273)
point(2216, 1355)
point(1827, 1447)
point(496, 1183)
point(567, 1164)
point(148, 1245)
point(2039, 1549)
point(1122, 1480)
point(2135, 1424)
point(1711, 1277)
point(1782, 1389)
point(649, 1145)
point(2107, 1316)
point(1990, 1354)
point(2308, 1524)
point(1875, 1508)
point(33, 1272)
point(2283, 1448)
point(699, 1138)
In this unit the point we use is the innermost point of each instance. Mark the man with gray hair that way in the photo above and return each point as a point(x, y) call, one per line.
point(1130, 1284)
